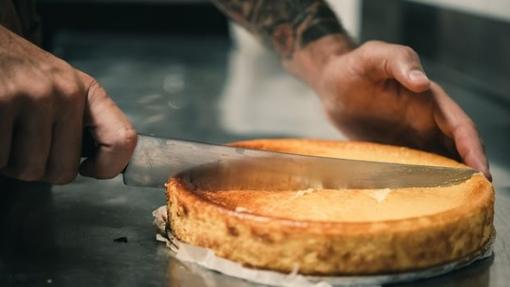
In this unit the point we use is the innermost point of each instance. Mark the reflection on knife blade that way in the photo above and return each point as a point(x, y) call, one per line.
point(155, 160)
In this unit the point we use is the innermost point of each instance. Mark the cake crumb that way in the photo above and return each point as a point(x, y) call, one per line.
point(304, 192)
point(379, 194)
point(241, 209)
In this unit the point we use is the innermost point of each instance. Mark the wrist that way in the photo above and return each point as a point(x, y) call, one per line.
point(308, 63)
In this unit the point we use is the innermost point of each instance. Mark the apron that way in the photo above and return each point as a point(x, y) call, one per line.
point(20, 17)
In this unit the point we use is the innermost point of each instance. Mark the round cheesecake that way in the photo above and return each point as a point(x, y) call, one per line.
point(337, 231)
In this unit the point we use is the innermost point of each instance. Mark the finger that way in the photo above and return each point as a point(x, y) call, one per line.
point(64, 156)
point(388, 61)
point(454, 123)
point(30, 147)
point(114, 134)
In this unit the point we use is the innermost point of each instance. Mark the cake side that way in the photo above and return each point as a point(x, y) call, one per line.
point(320, 248)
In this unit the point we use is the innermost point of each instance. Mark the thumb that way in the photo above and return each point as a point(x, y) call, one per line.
point(384, 61)
point(457, 125)
point(114, 135)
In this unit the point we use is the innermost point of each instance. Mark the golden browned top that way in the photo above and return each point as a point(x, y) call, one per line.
point(348, 205)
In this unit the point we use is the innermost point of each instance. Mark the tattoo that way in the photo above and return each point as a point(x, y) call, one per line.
point(284, 25)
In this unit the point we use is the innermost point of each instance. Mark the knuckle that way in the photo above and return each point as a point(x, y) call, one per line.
point(408, 52)
point(94, 91)
point(63, 65)
point(71, 92)
point(371, 44)
point(55, 66)
point(68, 84)
point(7, 90)
point(84, 77)
point(127, 138)
point(40, 92)
point(367, 47)
point(94, 86)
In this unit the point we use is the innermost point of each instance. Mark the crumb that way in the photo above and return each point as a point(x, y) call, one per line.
point(241, 209)
point(304, 192)
point(122, 239)
point(49, 281)
point(380, 194)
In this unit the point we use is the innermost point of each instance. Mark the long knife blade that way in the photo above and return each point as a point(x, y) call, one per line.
point(155, 160)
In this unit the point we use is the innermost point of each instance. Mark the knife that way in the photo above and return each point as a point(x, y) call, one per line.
point(210, 166)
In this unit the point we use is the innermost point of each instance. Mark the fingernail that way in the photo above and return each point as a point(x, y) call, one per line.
point(418, 76)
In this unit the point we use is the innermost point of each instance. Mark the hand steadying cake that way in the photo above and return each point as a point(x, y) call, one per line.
point(377, 91)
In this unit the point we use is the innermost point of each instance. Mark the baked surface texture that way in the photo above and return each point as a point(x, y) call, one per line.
point(337, 232)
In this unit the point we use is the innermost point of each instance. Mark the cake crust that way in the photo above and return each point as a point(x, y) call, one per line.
point(279, 242)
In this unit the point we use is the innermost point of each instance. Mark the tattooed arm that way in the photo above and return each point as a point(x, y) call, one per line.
point(285, 25)
point(377, 91)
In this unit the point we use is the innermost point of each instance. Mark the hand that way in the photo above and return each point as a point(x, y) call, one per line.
point(44, 106)
point(379, 92)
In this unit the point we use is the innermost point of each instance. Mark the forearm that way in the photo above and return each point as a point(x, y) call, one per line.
point(304, 33)
point(308, 63)
point(286, 26)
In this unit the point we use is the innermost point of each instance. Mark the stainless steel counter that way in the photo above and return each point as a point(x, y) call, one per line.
point(100, 233)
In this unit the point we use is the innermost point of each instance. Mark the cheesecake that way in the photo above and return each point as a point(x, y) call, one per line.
point(320, 231)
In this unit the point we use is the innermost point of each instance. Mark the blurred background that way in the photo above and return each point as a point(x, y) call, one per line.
point(180, 69)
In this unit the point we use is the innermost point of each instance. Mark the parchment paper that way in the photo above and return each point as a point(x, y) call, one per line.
point(206, 258)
